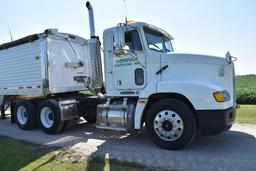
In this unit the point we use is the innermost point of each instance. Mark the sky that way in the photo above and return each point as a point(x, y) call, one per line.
point(199, 26)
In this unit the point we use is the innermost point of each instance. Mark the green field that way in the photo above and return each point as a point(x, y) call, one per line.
point(246, 94)
point(248, 81)
point(246, 89)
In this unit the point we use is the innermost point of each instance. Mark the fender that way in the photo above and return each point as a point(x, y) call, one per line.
point(198, 92)
point(150, 89)
point(140, 107)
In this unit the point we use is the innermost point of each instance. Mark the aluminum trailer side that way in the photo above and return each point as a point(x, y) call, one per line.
point(41, 76)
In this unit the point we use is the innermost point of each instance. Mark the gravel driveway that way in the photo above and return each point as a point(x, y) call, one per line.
point(233, 150)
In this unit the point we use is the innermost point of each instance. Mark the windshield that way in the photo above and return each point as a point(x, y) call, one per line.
point(157, 41)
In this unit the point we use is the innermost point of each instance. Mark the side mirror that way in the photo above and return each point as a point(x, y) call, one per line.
point(119, 41)
point(230, 58)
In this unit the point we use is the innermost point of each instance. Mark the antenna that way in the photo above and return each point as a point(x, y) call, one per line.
point(10, 32)
point(125, 12)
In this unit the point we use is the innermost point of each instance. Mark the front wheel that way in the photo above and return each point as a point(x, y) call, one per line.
point(171, 124)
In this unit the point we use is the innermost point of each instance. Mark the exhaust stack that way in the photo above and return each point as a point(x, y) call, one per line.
point(91, 19)
point(95, 64)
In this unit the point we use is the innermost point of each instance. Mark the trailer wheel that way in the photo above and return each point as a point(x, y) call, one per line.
point(49, 117)
point(25, 115)
point(171, 124)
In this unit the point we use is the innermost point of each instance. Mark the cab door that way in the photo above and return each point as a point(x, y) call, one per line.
point(129, 69)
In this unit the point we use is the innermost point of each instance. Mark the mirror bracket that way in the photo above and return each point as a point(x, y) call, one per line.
point(119, 37)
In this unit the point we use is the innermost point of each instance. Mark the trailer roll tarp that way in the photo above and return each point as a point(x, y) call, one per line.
point(21, 41)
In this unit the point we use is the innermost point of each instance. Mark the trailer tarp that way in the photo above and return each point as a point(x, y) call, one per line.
point(21, 41)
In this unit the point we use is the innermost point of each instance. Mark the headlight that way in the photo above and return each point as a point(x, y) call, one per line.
point(221, 96)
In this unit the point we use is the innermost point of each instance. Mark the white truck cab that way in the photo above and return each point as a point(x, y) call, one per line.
point(173, 93)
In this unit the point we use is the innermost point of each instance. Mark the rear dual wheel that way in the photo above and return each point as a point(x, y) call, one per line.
point(25, 114)
point(49, 117)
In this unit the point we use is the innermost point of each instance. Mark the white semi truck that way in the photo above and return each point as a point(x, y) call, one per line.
point(146, 82)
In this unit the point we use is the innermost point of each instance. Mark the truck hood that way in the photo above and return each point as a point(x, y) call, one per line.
point(212, 71)
point(197, 58)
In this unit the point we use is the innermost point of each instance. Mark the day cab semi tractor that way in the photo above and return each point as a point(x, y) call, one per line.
point(174, 95)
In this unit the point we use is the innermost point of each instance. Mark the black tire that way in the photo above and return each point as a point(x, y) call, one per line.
point(90, 120)
point(57, 125)
point(187, 118)
point(88, 108)
point(90, 115)
point(29, 120)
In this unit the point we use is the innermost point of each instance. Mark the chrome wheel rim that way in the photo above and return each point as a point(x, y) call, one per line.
point(22, 115)
point(168, 125)
point(47, 117)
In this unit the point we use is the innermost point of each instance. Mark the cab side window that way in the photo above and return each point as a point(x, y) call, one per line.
point(132, 40)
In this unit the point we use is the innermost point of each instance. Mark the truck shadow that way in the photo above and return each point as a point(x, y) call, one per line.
point(229, 139)
point(227, 148)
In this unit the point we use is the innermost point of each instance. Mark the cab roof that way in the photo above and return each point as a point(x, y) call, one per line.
point(142, 24)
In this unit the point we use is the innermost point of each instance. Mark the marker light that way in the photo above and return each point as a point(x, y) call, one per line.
point(221, 96)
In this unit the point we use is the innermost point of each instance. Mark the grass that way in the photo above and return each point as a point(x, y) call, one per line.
point(246, 94)
point(246, 89)
point(246, 114)
point(21, 155)
point(86, 92)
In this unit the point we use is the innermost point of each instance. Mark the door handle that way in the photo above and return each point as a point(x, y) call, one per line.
point(162, 69)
